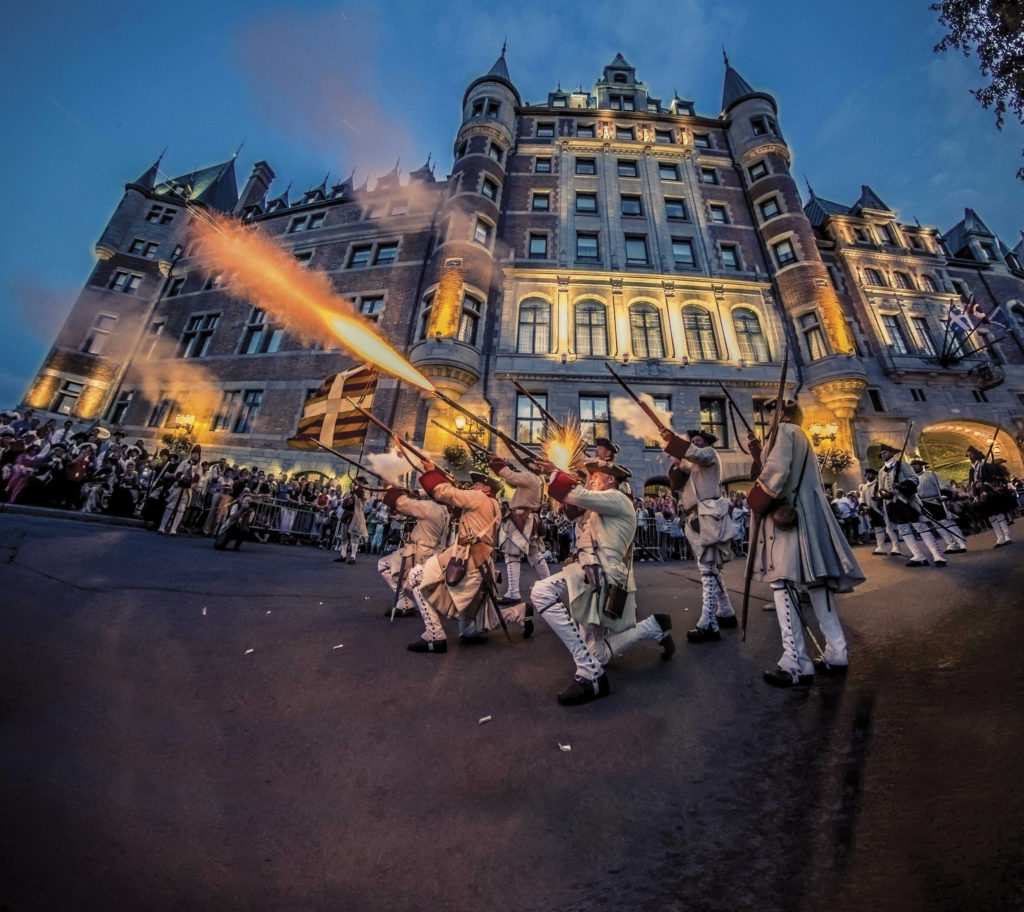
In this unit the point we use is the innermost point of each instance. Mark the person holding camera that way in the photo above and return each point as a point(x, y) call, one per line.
point(800, 548)
point(591, 604)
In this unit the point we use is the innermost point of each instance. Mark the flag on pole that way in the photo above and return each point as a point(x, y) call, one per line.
point(328, 416)
point(959, 320)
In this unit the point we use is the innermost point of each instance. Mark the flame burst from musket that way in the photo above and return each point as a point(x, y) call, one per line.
point(563, 446)
point(253, 267)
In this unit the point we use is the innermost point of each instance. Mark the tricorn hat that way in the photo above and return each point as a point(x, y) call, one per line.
point(973, 450)
point(709, 438)
point(606, 443)
point(361, 479)
point(889, 447)
point(917, 460)
point(787, 404)
point(618, 472)
point(494, 484)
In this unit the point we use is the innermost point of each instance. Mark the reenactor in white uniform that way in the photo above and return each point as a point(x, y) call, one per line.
point(707, 527)
point(897, 486)
point(519, 535)
point(989, 487)
point(428, 537)
point(869, 497)
point(591, 604)
point(929, 489)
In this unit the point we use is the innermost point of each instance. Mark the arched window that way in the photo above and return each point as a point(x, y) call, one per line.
point(469, 322)
point(928, 283)
point(701, 343)
point(645, 323)
point(873, 276)
point(534, 327)
point(902, 280)
point(753, 346)
point(591, 329)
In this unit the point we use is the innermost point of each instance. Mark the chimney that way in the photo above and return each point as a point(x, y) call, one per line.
point(255, 190)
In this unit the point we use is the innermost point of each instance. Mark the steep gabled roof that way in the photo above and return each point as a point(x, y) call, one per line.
point(971, 225)
point(869, 200)
point(149, 178)
point(818, 209)
point(215, 186)
point(497, 73)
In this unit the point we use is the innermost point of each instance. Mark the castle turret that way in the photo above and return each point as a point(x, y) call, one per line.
point(462, 275)
point(809, 299)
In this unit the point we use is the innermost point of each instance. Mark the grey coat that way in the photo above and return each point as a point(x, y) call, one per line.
point(815, 551)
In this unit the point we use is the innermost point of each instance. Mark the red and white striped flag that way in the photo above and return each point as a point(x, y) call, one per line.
point(329, 417)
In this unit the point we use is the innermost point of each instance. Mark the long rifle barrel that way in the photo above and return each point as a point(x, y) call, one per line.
point(472, 444)
point(518, 450)
point(736, 408)
point(648, 411)
point(544, 413)
point(349, 459)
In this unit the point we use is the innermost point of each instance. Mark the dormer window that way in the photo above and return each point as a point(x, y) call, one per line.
point(558, 102)
point(493, 107)
point(478, 108)
point(619, 77)
point(621, 103)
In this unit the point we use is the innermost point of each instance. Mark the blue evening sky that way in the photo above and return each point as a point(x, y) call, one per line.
point(95, 90)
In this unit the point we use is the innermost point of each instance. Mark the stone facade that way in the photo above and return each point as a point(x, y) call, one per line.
point(597, 225)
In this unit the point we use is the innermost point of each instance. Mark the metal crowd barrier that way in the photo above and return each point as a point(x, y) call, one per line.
point(295, 520)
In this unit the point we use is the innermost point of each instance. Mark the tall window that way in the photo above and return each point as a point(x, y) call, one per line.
point(897, 336)
point(586, 247)
point(386, 254)
point(226, 410)
point(538, 246)
point(645, 326)
point(731, 256)
point(760, 418)
point(902, 280)
point(682, 252)
point(534, 328)
point(924, 334)
point(260, 336)
point(753, 346)
point(120, 407)
point(195, 341)
point(153, 336)
point(636, 250)
point(161, 410)
point(469, 322)
point(665, 404)
point(928, 283)
point(126, 282)
point(873, 276)
point(482, 232)
point(586, 203)
point(784, 252)
point(98, 335)
point(591, 329)
point(529, 424)
point(675, 209)
point(247, 413)
point(712, 418)
point(814, 339)
point(594, 421)
point(701, 344)
point(67, 396)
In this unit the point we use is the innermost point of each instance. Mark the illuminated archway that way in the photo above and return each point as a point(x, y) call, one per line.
point(944, 446)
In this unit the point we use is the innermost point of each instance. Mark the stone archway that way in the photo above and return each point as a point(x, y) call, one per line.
point(944, 445)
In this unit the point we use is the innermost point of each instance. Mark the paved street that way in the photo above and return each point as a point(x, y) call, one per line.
point(187, 729)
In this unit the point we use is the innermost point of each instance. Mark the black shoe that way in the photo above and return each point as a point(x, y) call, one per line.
point(528, 621)
point(428, 646)
point(476, 639)
point(401, 613)
point(729, 620)
point(668, 645)
point(917, 563)
point(584, 691)
point(778, 677)
point(510, 601)
point(941, 563)
point(703, 635)
point(830, 671)
point(956, 551)
point(339, 560)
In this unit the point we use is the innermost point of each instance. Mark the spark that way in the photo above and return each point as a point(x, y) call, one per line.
point(563, 446)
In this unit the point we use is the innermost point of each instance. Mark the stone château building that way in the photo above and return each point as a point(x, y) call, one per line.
point(610, 224)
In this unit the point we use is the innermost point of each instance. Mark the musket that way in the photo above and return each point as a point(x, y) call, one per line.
point(472, 444)
point(349, 459)
point(544, 413)
point(648, 411)
point(404, 444)
point(992, 444)
point(516, 448)
point(735, 407)
point(755, 518)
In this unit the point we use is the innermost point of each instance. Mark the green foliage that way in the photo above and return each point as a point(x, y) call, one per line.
point(994, 29)
point(835, 460)
point(455, 456)
point(179, 441)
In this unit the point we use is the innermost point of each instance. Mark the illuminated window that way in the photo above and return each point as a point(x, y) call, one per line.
point(699, 331)
point(712, 419)
point(814, 339)
point(591, 338)
point(534, 328)
point(67, 396)
point(873, 276)
point(897, 337)
point(469, 322)
point(594, 421)
point(529, 422)
point(99, 334)
point(645, 329)
point(752, 343)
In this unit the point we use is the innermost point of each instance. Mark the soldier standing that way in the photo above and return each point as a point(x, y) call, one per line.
point(897, 486)
point(989, 488)
point(426, 539)
point(707, 527)
point(929, 489)
point(808, 554)
point(519, 535)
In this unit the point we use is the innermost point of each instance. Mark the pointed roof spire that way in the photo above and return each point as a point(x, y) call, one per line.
point(500, 68)
point(810, 189)
point(238, 151)
point(869, 200)
point(215, 186)
point(497, 73)
point(149, 179)
point(725, 57)
point(737, 89)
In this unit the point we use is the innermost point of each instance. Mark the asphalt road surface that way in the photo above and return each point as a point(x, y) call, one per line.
point(187, 729)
